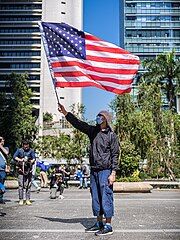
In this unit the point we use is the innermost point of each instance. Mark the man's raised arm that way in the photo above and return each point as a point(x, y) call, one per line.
point(78, 124)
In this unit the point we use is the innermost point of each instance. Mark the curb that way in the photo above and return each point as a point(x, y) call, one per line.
point(117, 187)
point(11, 184)
point(139, 187)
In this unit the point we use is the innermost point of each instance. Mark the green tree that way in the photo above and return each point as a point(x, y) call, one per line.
point(124, 108)
point(17, 121)
point(144, 130)
point(164, 70)
point(160, 153)
point(47, 117)
point(54, 147)
point(129, 159)
point(79, 141)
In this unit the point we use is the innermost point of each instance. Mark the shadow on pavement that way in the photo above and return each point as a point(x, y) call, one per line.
point(2, 214)
point(86, 222)
point(7, 200)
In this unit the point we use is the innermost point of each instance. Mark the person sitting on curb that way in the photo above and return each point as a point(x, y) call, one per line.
point(79, 176)
point(43, 173)
point(56, 183)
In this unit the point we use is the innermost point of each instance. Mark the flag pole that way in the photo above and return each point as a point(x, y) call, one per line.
point(54, 83)
point(47, 54)
point(57, 96)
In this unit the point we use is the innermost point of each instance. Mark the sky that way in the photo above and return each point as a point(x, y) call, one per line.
point(101, 18)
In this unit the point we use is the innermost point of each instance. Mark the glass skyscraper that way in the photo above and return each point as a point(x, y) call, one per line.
point(150, 28)
point(20, 42)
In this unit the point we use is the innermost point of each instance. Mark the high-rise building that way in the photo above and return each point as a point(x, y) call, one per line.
point(20, 42)
point(151, 27)
point(21, 50)
point(69, 12)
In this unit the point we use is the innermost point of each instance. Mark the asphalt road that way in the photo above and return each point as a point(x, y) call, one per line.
point(138, 216)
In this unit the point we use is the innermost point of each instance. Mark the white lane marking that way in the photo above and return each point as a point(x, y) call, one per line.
point(88, 199)
point(82, 230)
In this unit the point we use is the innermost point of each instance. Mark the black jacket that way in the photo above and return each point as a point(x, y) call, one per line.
point(104, 149)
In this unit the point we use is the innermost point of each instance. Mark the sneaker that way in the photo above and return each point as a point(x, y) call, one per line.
point(28, 202)
point(96, 227)
point(61, 196)
point(106, 230)
point(21, 202)
point(38, 189)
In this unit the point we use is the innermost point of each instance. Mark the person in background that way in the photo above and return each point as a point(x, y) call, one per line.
point(38, 188)
point(56, 183)
point(86, 173)
point(103, 156)
point(4, 151)
point(66, 176)
point(79, 176)
point(43, 173)
point(25, 158)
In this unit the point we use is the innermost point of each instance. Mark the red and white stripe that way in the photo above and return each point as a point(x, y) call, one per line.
point(106, 66)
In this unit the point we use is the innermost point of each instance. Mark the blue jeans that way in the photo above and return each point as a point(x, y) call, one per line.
point(85, 182)
point(2, 179)
point(80, 182)
point(101, 193)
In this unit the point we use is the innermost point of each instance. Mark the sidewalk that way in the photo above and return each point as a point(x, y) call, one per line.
point(138, 216)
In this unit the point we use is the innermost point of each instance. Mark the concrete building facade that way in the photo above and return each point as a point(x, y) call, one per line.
point(21, 50)
point(69, 12)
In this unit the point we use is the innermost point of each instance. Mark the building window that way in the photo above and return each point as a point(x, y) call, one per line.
point(20, 7)
point(19, 30)
point(36, 89)
point(64, 123)
point(35, 101)
point(16, 41)
point(25, 65)
point(20, 18)
point(20, 53)
point(175, 5)
point(34, 77)
point(63, 13)
point(63, 2)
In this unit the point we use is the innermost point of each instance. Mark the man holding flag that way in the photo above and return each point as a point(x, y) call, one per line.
point(104, 155)
point(79, 59)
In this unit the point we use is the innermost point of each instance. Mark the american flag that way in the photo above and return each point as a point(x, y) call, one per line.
point(79, 59)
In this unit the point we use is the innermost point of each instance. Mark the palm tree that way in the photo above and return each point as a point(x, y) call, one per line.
point(164, 70)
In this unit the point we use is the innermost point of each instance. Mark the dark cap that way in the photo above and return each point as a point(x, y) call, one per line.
point(25, 142)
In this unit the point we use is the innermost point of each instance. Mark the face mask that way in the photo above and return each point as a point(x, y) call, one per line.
point(99, 120)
